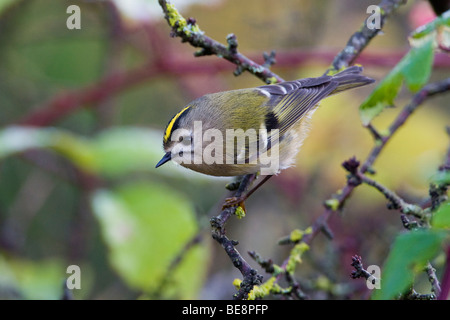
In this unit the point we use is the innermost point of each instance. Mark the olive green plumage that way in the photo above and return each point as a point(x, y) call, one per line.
point(277, 113)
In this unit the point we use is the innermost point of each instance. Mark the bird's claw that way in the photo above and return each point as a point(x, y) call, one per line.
point(234, 201)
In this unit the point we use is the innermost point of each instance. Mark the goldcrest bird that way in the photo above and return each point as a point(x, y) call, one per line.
point(285, 107)
point(247, 131)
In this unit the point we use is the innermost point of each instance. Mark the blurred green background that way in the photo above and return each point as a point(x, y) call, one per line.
point(82, 113)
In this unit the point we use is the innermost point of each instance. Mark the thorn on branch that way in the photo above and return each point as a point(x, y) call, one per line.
point(191, 21)
point(351, 165)
point(267, 265)
point(203, 52)
point(232, 43)
point(216, 223)
point(392, 205)
point(238, 71)
point(370, 170)
point(376, 135)
point(326, 230)
point(409, 225)
point(359, 269)
point(269, 59)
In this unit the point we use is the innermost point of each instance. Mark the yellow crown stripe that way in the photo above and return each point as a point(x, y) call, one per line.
point(170, 125)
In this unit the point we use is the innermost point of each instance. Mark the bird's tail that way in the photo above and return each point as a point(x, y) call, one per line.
point(350, 78)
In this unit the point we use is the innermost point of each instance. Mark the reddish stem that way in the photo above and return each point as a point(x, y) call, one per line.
point(445, 282)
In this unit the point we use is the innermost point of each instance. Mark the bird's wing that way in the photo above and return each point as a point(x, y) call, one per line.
point(291, 100)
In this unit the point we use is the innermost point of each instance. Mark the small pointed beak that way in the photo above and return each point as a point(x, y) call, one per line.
point(167, 157)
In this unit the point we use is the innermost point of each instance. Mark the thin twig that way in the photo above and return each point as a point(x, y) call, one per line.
point(189, 32)
point(360, 39)
point(445, 283)
point(396, 201)
point(413, 295)
point(93, 95)
point(250, 275)
point(176, 262)
point(359, 271)
point(432, 278)
point(338, 200)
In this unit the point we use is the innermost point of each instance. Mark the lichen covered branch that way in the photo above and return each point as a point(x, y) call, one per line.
point(189, 31)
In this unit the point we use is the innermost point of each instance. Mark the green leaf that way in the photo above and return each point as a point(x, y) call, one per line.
point(416, 66)
point(441, 219)
point(441, 177)
point(382, 96)
point(146, 226)
point(414, 69)
point(123, 150)
point(430, 28)
point(41, 279)
point(18, 139)
point(4, 4)
point(112, 153)
point(408, 256)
